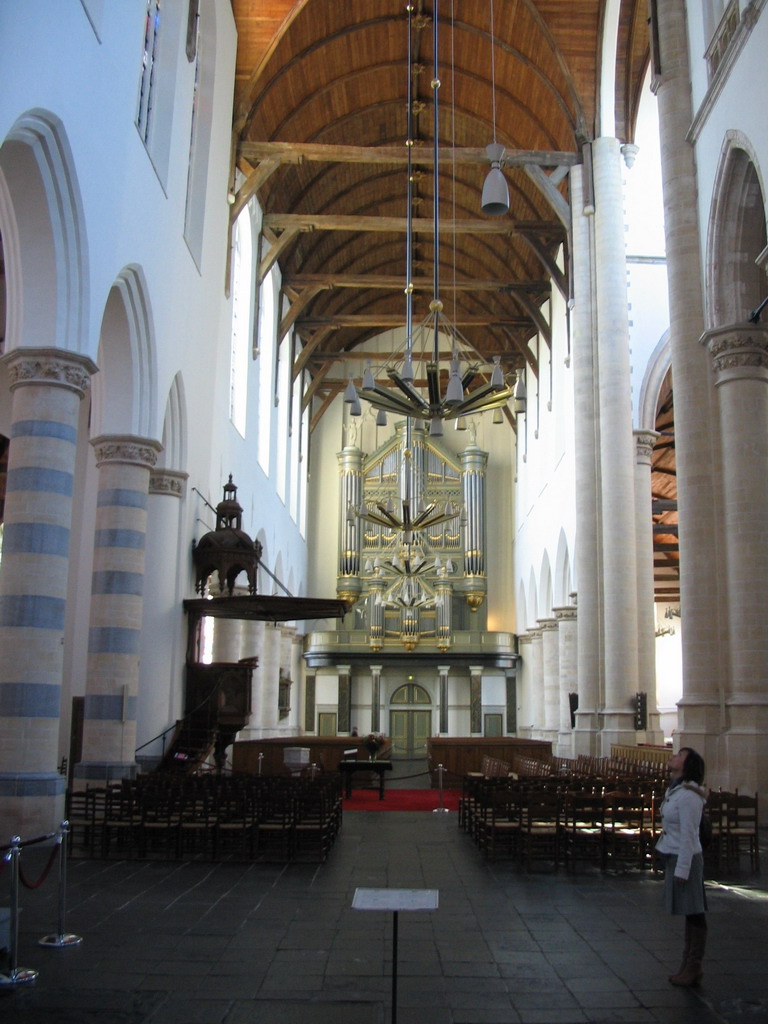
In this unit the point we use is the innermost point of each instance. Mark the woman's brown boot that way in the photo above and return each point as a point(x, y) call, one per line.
point(692, 973)
point(686, 950)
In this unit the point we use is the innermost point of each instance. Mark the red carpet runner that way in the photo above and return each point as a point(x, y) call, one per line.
point(401, 800)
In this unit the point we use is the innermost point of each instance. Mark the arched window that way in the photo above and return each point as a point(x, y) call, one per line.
point(411, 693)
point(201, 42)
point(242, 269)
point(157, 82)
point(267, 333)
point(283, 403)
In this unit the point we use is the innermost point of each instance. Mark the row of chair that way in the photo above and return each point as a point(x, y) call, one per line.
point(735, 829)
point(529, 822)
point(604, 822)
point(251, 817)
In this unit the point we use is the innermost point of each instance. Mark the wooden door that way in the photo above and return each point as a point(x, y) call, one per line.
point(410, 731)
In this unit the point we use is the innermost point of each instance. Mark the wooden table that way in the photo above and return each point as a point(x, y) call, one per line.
point(348, 769)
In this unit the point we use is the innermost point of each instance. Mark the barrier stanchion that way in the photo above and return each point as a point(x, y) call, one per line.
point(16, 975)
point(61, 939)
point(261, 761)
point(440, 809)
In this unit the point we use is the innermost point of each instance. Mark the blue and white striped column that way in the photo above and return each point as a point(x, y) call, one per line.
point(117, 588)
point(47, 387)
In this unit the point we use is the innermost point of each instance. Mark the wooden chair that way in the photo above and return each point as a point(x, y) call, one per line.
point(197, 823)
point(84, 811)
point(742, 830)
point(626, 829)
point(716, 809)
point(583, 836)
point(314, 823)
point(235, 827)
point(160, 817)
point(540, 827)
point(500, 831)
point(274, 824)
point(122, 820)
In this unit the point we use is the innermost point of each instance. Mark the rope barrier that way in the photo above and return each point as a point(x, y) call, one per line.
point(46, 871)
point(12, 856)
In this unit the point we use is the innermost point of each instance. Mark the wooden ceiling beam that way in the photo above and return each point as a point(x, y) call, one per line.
point(390, 282)
point(301, 152)
point(380, 357)
point(296, 222)
point(309, 347)
point(392, 320)
point(549, 264)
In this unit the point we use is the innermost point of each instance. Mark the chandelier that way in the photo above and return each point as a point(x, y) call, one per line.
point(459, 398)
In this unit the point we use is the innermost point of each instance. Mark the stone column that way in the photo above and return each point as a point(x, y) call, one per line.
point(254, 632)
point(476, 700)
point(536, 682)
point(698, 488)
point(550, 670)
point(646, 606)
point(47, 387)
point(117, 590)
point(297, 669)
point(587, 554)
point(270, 680)
point(344, 719)
point(617, 450)
point(310, 701)
point(443, 671)
point(227, 640)
point(511, 693)
point(376, 698)
point(567, 628)
point(524, 694)
point(161, 666)
point(740, 356)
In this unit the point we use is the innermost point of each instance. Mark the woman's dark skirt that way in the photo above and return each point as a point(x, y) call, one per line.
point(684, 896)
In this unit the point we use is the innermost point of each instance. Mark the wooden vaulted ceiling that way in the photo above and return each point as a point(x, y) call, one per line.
point(319, 137)
point(320, 132)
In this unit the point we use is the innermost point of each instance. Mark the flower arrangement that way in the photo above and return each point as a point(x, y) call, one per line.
point(373, 743)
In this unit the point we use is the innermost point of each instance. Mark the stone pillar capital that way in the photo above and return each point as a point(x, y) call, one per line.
point(739, 352)
point(170, 482)
point(126, 449)
point(644, 442)
point(51, 368)
point(546, 625)
point(565, 612)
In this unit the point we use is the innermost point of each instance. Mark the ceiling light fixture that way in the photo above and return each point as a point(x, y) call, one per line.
point(495, 200)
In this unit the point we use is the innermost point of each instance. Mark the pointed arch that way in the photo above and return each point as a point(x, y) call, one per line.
point(544, 608)
point(44, 237)
point(563, 581)
point(125, 389)
point(655, 375)
point(736, 235)
point(533, 603)
point(521, 609)
point(174, 453)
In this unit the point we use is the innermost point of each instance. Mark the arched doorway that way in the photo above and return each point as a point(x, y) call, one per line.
point(410, 721)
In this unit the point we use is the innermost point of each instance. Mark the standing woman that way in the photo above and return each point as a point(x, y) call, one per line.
point(681, 812)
